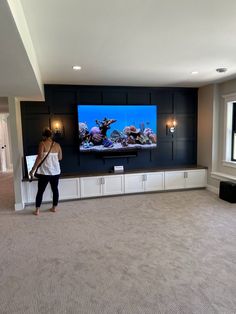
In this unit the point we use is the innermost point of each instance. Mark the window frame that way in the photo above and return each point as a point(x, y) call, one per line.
point(233, 145)
point(229, 101)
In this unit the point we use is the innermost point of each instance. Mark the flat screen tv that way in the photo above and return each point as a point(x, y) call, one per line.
point(105, 128)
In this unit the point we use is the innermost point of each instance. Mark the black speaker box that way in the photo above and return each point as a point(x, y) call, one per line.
point(228, 191)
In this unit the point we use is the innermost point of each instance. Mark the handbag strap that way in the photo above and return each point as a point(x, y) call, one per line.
point(40, 164)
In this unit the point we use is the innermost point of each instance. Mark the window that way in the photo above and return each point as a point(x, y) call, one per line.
point(229, 152)
point(233, 155)
point(224, 129)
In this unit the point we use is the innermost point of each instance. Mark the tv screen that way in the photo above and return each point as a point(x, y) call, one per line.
point(117, 127)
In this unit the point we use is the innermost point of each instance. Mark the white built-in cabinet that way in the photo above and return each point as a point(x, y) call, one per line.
point(153, 181)
point(144, 182)
point(134, 183)
point(91, 186)
point(195, 179)
point(30, 190)
point(175, 180)
point(113, 185)
point(118, 184)
point(102, 185)
point(69, 188)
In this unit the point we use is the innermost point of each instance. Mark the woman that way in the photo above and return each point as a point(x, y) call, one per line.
point(48, 168)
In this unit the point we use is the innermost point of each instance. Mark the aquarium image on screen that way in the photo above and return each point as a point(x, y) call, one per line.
point(117, 127)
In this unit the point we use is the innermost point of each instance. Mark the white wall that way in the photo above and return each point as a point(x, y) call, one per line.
point(211, 131)
point(205, 125)
point(17, 149)
point(4, 105)
point(4, 114)
point(5, 151)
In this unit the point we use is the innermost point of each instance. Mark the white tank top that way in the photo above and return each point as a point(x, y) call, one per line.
point(50, 166)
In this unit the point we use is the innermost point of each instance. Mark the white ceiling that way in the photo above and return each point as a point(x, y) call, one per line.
point(133, 42)
point(17, 77)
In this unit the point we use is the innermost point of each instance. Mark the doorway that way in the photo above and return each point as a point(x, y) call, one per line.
point(5, 151)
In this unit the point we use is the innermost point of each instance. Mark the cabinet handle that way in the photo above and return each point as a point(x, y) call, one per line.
point(144, 177)
point(186, 175)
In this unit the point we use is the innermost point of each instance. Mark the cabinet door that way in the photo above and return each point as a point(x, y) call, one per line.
point(174, 180)
point(134, 183)
point(195, 178)
point(91, 186)
point(69, 189)
point(113, 185)
point(154, 181)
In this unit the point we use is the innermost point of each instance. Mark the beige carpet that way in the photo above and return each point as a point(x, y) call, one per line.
point(154, 253)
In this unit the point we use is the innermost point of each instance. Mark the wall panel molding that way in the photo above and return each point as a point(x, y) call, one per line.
point(61, 102)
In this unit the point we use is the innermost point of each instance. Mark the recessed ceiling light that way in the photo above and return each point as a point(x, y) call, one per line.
point(221, 70)
point(76, 67)
point(194, 72)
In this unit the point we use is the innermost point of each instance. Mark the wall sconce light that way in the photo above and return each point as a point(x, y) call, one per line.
point(57, 128)
point(171, 126)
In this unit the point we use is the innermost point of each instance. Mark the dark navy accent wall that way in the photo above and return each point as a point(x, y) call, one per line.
point(61, 102)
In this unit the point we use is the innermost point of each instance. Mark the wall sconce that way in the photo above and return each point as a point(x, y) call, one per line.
point(57, 128)
point(171, 126)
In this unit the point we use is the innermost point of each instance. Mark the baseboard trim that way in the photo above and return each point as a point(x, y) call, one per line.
point(212, 188)
point(19, 206)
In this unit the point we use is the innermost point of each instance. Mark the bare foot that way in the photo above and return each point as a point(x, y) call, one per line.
point(53, 209)
point(36, 212)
